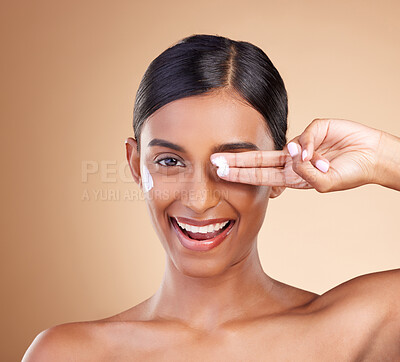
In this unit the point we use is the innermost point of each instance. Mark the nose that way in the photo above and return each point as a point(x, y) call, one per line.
point(202, 188)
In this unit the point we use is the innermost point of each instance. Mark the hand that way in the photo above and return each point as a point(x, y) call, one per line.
point(349, 150)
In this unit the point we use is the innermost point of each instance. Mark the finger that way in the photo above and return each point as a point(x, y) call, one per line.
point(316, 173)
point(256, 176)
point(253, 158)
point(293, 150)
point(320, 162)
point(312, 137)
point(293, 147)
point(266, 177)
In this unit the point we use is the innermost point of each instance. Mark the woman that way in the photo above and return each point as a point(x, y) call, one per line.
point(211, 99)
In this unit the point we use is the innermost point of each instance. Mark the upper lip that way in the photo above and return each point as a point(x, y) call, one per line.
point(200, 222)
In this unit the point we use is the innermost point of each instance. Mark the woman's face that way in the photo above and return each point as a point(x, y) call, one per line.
point(185, 182)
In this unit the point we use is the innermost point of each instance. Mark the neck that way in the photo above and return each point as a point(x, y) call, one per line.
point(204, 303)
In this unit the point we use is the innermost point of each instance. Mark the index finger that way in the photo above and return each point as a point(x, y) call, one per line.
point(253, 158)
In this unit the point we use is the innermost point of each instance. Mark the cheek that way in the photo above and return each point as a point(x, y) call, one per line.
point(159, 189)
point(248, 198)
point(170, 183)
point(251, 201)
point(255, 210)
point(147, 179)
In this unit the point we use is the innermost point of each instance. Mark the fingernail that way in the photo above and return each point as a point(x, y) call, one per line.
point(304, 155)
point(222, 164)
point(292, 148)
point(322, 165)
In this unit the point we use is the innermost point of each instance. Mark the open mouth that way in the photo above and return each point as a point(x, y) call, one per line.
point(197, 241)
point(202, 236)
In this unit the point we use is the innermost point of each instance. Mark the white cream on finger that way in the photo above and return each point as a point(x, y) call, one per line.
point(222, 164)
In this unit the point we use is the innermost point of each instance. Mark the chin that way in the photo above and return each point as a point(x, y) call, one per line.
point(196, 268)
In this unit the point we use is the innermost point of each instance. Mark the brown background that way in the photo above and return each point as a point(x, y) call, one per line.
point(70, 71)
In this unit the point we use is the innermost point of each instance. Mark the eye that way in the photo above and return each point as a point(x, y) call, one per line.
point(171, 162)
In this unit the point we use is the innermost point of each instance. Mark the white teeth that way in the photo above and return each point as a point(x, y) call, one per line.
point(202, 229)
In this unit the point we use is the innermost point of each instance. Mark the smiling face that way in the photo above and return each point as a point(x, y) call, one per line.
point(185, 182)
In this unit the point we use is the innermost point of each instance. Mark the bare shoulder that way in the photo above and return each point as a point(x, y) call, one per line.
point(96, 340)
point(64, 342)
point(378, 289)
point(367, 306)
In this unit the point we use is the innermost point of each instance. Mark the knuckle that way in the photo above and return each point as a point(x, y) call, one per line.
point(318, 120)
point(322, 188)
point(304, 137)
point(259, 158)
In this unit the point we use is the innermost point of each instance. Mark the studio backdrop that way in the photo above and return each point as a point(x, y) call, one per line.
point(76, 238)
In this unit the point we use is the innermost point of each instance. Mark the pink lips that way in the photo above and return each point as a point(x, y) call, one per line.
point(201, 245)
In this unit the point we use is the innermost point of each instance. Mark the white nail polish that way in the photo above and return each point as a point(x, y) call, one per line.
point(322, 165)
point(304, 155)
point(292, 148)
point(222, 164)
point(147, 180)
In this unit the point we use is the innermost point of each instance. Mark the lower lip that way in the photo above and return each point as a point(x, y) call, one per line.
point(201, 245)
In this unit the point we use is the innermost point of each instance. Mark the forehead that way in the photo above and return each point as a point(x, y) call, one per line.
point(200, 122)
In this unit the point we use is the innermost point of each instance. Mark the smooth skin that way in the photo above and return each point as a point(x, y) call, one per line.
point(220, 305)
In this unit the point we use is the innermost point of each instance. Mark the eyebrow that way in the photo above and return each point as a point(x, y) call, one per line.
point(216, 149)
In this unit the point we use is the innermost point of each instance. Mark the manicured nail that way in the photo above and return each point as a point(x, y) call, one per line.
point(292, 148)
point(304, 155)
point(322, 165)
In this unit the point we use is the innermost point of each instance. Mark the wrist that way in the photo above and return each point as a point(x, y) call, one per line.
point(387, 171)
